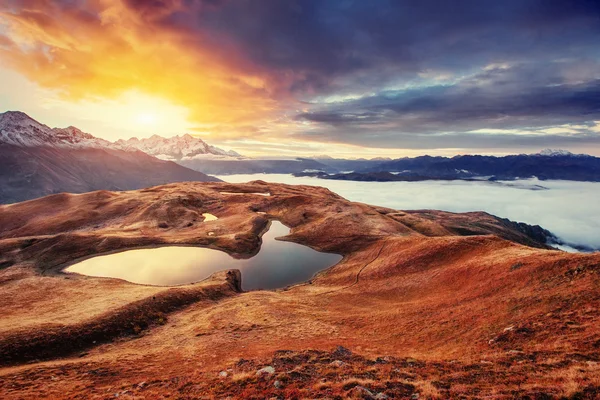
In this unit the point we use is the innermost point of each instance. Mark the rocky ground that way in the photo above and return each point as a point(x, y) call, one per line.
point(423, 305)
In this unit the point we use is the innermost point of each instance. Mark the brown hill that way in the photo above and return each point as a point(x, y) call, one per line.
point(419, 308)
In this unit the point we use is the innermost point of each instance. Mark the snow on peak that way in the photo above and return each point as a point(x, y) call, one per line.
point(17, 128)
point(176, 148)
point(555, 152)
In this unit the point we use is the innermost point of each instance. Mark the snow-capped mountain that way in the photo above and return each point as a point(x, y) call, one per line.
point(559, 153)
point(36, 160)
point(554, 152)
point(177, 148)
point(19, 129)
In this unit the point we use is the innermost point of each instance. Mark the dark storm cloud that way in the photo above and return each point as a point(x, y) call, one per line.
point(496, 98)
point(321, 44)
point(480, 141)
point(529, 97)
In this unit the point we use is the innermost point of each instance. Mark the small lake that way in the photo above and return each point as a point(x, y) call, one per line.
point(277, 264)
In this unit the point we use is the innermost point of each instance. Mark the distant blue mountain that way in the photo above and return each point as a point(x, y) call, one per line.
point(548, 164)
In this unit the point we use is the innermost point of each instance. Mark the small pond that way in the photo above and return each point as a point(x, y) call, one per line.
point(209, 217)
point(277, 264)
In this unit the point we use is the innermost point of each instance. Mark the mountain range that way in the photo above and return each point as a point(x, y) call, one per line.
point(36, 160)
point(177, 148)
point(548, 164)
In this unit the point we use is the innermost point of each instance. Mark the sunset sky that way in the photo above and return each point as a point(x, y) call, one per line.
point(309, 77)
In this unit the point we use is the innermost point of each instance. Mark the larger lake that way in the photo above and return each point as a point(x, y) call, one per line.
point(277, 264)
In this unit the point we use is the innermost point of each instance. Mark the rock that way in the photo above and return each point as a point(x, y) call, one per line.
point(337, 363)
point(361, 392)
point(342, 351)
point(223, 374)
point(381, 396)
point(278, 384)
point(266, 371)
point(141, 384)
point(415, 396)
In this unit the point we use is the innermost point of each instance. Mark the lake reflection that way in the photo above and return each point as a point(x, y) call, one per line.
point(277, 264)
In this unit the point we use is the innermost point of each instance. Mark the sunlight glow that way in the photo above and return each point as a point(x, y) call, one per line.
point(146, 118)
point(134, 113)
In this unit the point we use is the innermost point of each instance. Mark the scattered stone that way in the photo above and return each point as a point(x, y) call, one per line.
point(278, 384)
point(342, 351)
point(415, 396)
point(381, 396)
point(223, 374)
point(516, 266)
point(337, 363)
point(361, 392)
point(266, 371)
point(382, 360)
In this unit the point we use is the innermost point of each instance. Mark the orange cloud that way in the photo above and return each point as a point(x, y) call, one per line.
point(111, 48)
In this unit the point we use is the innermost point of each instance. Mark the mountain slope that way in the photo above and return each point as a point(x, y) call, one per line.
point(36, 160)
point(421, 310)
point(176, 148)
point(19, 129)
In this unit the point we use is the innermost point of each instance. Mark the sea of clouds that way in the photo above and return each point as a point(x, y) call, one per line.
point(570, 210)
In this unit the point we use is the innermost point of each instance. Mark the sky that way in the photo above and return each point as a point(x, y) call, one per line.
point(341, 78)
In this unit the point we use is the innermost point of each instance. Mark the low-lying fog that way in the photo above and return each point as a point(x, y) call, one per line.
point(570, 210)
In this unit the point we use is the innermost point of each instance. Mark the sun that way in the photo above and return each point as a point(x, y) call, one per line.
point(146, 118)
